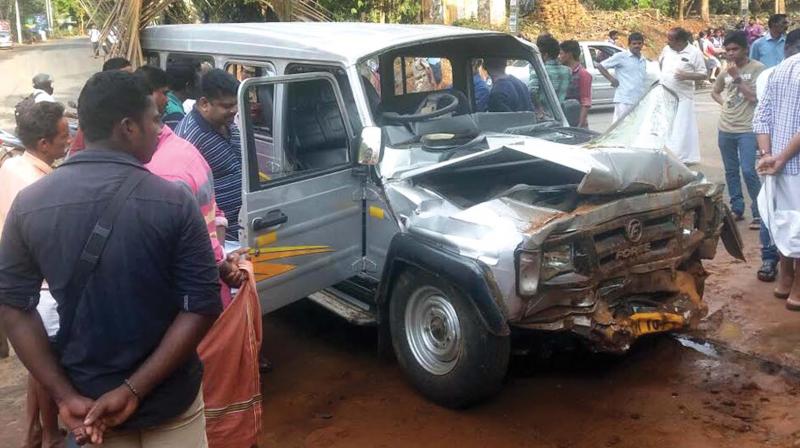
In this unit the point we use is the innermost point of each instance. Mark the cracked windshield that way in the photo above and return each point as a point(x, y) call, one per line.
point(430, 119)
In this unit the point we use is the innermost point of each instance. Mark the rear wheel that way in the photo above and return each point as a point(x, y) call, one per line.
point(441, 343)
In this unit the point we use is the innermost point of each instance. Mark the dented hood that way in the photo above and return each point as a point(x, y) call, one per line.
point(631, 157)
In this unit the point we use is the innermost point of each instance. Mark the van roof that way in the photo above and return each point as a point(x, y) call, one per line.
point(344, 42)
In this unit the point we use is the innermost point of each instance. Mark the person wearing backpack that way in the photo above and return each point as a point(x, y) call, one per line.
point(128, 260)
point(45, 134)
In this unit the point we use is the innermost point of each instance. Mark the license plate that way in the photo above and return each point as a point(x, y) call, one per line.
point(646, 323)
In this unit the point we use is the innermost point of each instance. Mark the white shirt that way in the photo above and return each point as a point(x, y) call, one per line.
point(761, 82)
point(94, 35)
point(40, 95)
point(688, 60)
point(631, 72)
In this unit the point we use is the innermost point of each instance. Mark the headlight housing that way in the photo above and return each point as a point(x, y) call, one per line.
point(534, 267)
point(557, 260)
point(528, 265)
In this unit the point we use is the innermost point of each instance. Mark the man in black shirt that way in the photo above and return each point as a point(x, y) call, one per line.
point(125, 356)
point(508, 94)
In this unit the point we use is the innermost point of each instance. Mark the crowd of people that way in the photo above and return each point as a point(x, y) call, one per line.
point(157, 162)
point(128, 371)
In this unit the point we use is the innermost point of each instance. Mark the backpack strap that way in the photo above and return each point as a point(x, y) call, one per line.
point(92, 250)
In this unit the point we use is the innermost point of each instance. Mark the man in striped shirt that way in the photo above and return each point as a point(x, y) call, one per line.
point(211, 129)
point(777, 127)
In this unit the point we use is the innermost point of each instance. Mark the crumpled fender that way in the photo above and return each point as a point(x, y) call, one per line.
point(473, 279)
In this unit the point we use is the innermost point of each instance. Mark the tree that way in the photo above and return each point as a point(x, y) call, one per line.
point(391, 11)
point(704, 14)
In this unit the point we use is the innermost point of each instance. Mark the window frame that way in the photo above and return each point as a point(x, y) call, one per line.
point(253, 181)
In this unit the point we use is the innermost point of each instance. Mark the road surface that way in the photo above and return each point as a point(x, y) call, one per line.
point(69, 62)
point(329, 389)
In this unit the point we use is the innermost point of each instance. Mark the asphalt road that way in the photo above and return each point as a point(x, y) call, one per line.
point(69, 62)
point(329, 389)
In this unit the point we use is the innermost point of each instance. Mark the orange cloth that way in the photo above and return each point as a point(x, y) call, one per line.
point(231, 382)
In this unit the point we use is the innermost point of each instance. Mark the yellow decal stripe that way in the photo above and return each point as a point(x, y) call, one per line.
point(376, 212)
point(268, 270)
point(266, 255)
point(266, 239)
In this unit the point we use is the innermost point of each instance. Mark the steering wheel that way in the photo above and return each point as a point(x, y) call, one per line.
point(418, 116)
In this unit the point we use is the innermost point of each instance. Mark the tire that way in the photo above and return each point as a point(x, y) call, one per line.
point(456, 362)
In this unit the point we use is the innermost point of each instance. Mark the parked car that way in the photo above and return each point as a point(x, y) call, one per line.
point(386, 198)
point(6, 41)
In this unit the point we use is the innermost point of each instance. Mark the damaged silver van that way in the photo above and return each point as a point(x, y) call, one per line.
point(376, 185)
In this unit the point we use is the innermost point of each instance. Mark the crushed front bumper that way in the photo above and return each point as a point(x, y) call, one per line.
point(621, 310)
point(618, 292)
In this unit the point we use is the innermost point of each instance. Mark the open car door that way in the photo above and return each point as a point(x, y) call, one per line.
point(302, 198)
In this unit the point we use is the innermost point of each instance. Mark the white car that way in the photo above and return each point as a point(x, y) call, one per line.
point(5, 40)
point(591, 54)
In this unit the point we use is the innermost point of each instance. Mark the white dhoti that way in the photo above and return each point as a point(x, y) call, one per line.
point(621, 109)
point(779, 206)
point(684, 141)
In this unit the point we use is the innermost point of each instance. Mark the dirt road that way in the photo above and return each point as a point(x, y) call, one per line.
point(330, 389)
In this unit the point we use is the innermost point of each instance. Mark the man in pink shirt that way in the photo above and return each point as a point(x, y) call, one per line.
point(179, 161)
point(45, 133)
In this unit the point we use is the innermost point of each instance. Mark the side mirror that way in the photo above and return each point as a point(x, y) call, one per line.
point(370, 148)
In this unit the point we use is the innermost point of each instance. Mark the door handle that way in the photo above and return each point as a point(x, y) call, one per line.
point(272, 219)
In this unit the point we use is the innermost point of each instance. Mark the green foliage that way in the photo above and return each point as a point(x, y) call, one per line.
point(394, 11)
point(64, 8)
point(665, 6)
point(230, 11)
point(613, 5)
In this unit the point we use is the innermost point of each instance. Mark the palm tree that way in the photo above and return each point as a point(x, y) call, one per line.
point(122, 21)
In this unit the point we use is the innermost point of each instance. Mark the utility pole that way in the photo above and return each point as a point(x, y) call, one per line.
point(19, 23)
point(48, 9)
point(513, 16)
point(744, 9)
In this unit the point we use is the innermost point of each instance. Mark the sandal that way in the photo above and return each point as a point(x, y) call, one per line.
point(781, 295)
point(768, 271)
point(792, 305)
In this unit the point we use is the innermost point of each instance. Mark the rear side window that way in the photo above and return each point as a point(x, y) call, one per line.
point(198, 61)
point(261, 99)
point(601, 53)
point(151, 58)
point(421, 74)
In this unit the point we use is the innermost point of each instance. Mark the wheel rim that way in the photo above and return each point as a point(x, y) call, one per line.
point(433, 330)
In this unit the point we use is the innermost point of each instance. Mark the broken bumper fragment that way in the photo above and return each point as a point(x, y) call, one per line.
point(631, 276)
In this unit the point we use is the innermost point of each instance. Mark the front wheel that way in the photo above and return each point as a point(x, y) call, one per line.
point(441, 343)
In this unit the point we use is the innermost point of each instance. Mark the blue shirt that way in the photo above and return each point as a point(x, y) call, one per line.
point(768, 50)
point(631, 72)
point(224, 156)
point(481, 93)
point(509, 94)
point(778, 112)
point(157, 263)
